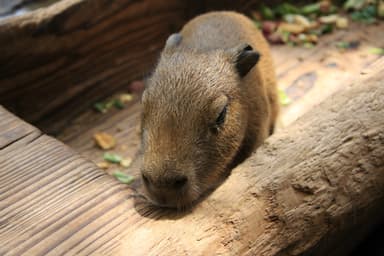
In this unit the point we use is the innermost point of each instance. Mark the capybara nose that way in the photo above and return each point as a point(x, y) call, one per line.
point(169, 182)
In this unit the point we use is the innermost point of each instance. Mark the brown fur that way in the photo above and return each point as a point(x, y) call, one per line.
point(189, 87)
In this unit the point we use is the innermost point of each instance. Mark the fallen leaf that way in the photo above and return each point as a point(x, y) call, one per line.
point(126, 162)
point(286, 8)
point(380, 9)
point(103, 107)
point(348, 45)
point(365, 15)
point(291, 28)
point(342, 22)
point(267, 12)
point(376, 50)
point(308, 45)
point(312, 38)
point(323, 29)
point(104, 140)
point(354, 4)
point(125, 97)
point(103, 165)
point(100, 107)
point(310, 8)
point(329, 19)
point(113, 158)
point(301, 20)
point(118, 103)
point(283, 97)
point(123, 177)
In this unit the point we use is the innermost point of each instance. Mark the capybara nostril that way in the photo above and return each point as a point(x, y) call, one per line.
point(179, 182)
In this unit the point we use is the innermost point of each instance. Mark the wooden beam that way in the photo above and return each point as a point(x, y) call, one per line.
point(58, 60)
point(53, 201)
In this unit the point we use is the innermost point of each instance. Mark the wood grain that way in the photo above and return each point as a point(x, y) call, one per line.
point(51, 200)
point(58, 60)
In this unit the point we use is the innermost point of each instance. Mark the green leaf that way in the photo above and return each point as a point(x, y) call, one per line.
point(354, 4)
point(308, 45)
point(366, 15)
point(113, 158)
point(285, 36)
point(118, 104)
point(100, 107)
point(267, 12)
point(284, 99)
point(123, 177)
point(348, 45)
point(286, 8)
point(376, 50)
point(257, 24)
point(310, 8)
point(327, 28)
point(109, 104)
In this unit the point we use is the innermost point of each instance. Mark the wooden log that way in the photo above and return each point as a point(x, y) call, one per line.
point(313, 189)
point(56, 61)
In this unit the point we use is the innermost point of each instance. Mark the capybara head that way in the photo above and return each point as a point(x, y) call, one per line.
point(194, 120)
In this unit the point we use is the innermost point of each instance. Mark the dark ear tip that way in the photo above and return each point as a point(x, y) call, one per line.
point(246, 59)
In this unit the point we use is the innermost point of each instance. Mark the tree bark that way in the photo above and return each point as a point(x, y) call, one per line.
point(315, 188)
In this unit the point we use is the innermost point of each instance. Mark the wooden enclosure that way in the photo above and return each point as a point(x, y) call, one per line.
point(315, 188)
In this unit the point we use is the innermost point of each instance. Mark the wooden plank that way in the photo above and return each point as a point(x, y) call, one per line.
point(52, 200)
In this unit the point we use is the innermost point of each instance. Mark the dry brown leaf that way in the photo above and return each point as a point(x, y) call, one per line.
point(103, 165)
point(104, 140)
point(291, 28)
point(126, 162)
point(342, 22)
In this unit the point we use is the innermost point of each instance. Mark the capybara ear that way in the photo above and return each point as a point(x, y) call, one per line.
point(172, 41)
point(245, 59)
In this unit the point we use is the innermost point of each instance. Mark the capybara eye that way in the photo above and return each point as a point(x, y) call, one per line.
point(221, 118)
